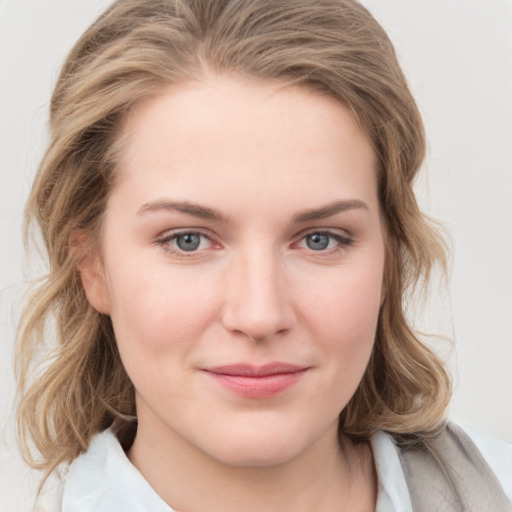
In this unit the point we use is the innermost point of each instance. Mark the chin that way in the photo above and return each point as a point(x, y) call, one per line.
point(263, 448)
point(250, 456)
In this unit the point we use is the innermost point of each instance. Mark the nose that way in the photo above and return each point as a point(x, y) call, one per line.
point(258, 304)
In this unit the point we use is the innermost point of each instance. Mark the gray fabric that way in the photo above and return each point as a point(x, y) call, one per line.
point(448, 474)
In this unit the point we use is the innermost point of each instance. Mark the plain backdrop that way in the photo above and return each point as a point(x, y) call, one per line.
point(457, 55)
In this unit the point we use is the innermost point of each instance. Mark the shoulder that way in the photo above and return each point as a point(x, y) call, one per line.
point(55, 491)
point(450, 470)
point(49, 498)
point(497, 454)
point(104, 480)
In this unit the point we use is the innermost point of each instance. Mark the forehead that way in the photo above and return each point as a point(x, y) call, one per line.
point(233, 135)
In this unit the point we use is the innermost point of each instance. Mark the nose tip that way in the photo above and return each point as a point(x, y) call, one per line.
point(258, 304)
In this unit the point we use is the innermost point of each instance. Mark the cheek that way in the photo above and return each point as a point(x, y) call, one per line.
point(343, 316)
point(154, 313)
point(158, 322)
point(346, 307)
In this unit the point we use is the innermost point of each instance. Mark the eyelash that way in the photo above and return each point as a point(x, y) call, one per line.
point(165, 242)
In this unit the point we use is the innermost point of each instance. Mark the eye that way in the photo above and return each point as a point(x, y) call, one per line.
point(323, 241)
point(189, 241)
point(318, 241)
point(185, 242)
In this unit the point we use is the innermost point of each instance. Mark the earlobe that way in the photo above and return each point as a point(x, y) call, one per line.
point(90, 269)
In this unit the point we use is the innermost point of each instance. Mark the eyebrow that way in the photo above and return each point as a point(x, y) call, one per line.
point(196, 210)
point(329, 210)
point(204, 212)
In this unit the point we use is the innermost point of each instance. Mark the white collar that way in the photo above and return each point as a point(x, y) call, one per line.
point(393, 493)
point(103, 480)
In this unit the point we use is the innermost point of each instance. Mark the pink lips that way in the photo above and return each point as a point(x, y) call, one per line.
point(256, 381)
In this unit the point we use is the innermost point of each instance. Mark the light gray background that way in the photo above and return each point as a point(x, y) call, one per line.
point(458, 57)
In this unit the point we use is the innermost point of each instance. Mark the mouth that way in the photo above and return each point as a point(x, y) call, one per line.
point(253, 381)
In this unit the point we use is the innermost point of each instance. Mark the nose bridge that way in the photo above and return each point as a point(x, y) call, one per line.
point(258, 303)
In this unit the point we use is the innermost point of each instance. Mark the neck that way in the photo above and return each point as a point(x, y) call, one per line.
point(332, 475)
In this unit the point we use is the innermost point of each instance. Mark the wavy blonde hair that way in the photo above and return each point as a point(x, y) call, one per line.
point(77, 386)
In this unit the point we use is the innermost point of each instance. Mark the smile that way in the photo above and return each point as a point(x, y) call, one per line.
point(256, 381)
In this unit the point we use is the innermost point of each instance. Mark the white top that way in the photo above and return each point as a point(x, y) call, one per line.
point(104, 480)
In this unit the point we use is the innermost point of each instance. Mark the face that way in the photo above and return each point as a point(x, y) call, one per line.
point(242, 260)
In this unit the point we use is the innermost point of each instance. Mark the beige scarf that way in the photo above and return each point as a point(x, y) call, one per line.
point(448, 474)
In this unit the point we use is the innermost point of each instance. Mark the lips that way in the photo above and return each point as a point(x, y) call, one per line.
point(256, 381)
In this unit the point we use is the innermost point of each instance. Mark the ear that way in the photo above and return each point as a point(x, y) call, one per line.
point(90, 269)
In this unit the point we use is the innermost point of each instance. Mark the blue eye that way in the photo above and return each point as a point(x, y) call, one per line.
point(185, 242)
point(317, 241)
point(188, 241)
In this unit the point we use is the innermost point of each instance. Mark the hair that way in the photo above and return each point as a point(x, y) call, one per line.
point(76, 386)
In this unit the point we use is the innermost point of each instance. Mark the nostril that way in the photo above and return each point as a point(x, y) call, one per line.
point(264, 338)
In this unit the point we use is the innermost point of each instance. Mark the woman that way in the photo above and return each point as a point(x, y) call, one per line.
point(227, 206)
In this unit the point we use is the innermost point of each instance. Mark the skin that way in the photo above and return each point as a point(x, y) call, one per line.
point(262, 156)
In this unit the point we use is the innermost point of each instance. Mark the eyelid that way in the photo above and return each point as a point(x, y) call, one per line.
point(334, 232)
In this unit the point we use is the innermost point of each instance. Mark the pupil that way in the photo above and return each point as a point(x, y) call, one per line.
point(317, 241)
point(188, 242)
